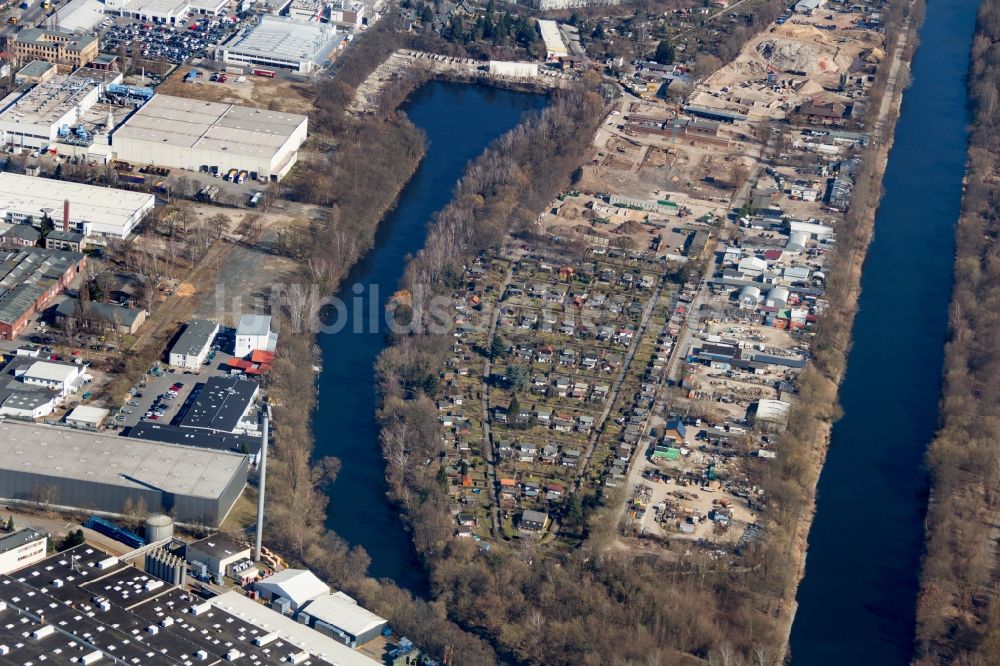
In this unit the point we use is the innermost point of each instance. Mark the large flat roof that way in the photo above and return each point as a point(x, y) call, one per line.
point(191, 123)
point(287, 39)
point(221, 404)
point(105, 206)
point(47, 103)
point(120, 461)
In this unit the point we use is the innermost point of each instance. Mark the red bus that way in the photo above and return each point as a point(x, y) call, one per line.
point(264, 72)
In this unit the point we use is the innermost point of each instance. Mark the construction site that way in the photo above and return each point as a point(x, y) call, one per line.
point(821, 59)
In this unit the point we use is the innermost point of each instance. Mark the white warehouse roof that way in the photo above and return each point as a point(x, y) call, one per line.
point(103, 209)
point(192, 123)
point(88, 414)
point(287, 39)
point(296, 585)
point(52, 372)
point(344, 613)
point(554, 44)
point(193, 134)
point(309, 640)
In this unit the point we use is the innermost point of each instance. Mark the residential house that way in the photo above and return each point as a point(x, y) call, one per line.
point(533, 521)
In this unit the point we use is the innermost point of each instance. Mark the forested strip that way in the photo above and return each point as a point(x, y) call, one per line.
point(958, 616)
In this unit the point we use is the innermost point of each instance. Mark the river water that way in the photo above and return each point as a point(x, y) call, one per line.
point(459, 121)
point(857, 601)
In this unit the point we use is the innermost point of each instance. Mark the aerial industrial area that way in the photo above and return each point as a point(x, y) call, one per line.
point(650, 347)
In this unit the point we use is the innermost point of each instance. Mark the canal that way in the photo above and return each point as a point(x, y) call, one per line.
point(459, 121)
point(857, 601)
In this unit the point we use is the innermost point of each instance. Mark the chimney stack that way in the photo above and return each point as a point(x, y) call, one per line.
point(66, 216)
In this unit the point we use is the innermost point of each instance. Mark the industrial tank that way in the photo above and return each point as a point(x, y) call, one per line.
point(158, 527)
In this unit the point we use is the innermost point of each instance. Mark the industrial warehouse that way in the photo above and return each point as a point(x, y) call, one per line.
point(202, 136)
point(77, 469)
point(88, 209)
point(284, 43)
point(40, 116)
point(29, 279)
point(75, 116)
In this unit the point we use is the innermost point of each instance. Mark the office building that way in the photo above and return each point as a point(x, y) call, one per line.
point(68, 51)
point(192, 347)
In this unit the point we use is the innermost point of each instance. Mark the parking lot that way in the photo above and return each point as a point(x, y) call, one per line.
point(190, 38)
point(164, 393)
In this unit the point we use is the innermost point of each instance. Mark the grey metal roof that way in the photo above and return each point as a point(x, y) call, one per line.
point(18, 539)
point(105, 312)
point(27, 399)
point(130, 463)
point(196, 336)
point(41, 37)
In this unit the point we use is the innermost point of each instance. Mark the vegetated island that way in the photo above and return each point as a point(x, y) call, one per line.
point(590, 603)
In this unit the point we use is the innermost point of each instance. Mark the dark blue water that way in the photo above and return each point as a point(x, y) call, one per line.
point(857, 601)
point(459, 121)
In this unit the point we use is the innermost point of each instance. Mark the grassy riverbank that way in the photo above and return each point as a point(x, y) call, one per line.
point(958, 614)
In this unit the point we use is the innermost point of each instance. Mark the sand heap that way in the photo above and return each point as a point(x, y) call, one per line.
point(630, 228)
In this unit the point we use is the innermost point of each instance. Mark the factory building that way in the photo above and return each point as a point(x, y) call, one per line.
point(167, 12)
point(154, 11)
point(283, 43)
point(29, 279)
point(201, 136)
point(64, 49)
point(253, 333)
point(35, 72)
point(96, 212)
point(217, 552)
point(82, 470)
point(348, 14)
point(84, 606)
point(291, 589)
point(555, 47)
point(43, 114)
